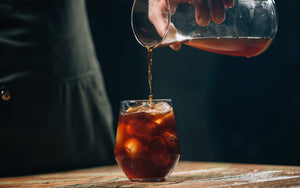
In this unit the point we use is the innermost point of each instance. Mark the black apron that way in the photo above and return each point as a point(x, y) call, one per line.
point(54, 111)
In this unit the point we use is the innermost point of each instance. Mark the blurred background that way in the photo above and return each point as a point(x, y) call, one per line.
point(227, 109)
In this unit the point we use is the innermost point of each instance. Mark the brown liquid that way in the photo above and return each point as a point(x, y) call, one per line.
point(147, 145)
point(244, 47)
point(149, 50)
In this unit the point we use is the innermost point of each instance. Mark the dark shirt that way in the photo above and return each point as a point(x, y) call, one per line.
point(54, 111)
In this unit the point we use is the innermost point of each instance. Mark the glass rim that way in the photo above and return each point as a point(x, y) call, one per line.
point(145, 100)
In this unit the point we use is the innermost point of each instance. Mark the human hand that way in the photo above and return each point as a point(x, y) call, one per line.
point(158, 10)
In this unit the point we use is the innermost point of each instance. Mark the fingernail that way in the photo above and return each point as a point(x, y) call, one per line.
point(175, 47)
point(229, 3)
point(203, 20)
point(218, 17)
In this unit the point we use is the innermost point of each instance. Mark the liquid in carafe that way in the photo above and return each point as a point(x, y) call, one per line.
point(243, 47)
point(239, 46)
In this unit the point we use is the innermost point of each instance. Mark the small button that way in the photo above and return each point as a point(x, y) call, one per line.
point(5, 94)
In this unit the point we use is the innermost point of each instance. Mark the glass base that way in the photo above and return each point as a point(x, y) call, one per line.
point(147, 179)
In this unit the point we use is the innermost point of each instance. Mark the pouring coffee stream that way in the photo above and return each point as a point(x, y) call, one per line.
point(149, 58)
point(247, 31)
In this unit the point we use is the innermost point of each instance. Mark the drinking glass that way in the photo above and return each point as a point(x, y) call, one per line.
point(248, 29)
point(147, 147)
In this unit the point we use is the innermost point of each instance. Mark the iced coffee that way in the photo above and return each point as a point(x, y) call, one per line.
point(147, 147)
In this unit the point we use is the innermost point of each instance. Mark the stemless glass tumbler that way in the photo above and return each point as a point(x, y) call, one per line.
point(147, 147)
point(248, 29)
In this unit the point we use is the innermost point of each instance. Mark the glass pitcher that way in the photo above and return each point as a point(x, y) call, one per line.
point(248, 29)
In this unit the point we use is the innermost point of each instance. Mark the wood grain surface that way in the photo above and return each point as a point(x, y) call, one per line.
point(186, 174)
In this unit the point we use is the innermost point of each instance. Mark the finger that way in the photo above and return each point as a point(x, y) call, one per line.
point(173, 6)
point(160, 25)
point(201, 12)
point(228, 3)
point(175, 47)
point(171, 37)
point(158, 15)
point(217, 11)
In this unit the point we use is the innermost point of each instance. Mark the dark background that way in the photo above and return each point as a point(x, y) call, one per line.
point(227, 109)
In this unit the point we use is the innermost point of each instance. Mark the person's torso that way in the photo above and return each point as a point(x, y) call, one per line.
point(42, 37)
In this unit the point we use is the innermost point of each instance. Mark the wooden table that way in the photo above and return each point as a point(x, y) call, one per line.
point(186, 174)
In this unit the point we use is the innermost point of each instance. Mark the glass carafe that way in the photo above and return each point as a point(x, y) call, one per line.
point(248, 29)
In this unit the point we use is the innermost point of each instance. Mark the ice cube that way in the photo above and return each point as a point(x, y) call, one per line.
point(160, 154)
point(162, 118)
point(135, 108)
point(140, 107)
point(162, 107)
point(133, 147)
point(141, 129)
point(120, 134)
point(171, 140)
point(170, 137)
